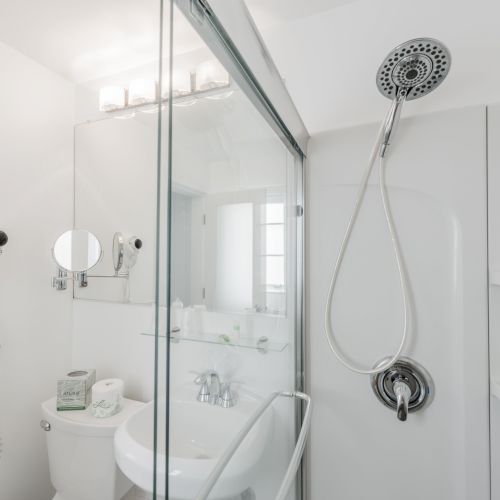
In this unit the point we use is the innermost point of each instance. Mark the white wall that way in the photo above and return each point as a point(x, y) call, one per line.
point(436, 171)
point(36, 137)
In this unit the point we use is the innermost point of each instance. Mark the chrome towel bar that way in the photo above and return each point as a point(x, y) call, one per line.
point(238, 439)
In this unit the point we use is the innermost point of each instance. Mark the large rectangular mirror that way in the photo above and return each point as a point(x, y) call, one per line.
point(233, 211)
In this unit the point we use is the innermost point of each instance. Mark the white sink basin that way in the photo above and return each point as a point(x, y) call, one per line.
point(199, 433)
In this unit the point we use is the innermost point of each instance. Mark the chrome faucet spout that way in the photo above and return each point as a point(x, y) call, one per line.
point(403, 393)
point(214, 387)
point(210, 387)
point(213, 391)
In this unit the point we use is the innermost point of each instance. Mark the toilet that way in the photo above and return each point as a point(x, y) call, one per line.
point(81, 453)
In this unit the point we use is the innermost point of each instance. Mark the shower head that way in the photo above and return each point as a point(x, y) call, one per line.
point(417, 67)
point(411, 70)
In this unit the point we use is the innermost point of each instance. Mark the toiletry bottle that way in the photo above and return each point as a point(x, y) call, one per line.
point(176, 310)
point(235, 334)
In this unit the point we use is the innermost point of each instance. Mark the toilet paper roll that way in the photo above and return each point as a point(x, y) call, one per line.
point(107, 397)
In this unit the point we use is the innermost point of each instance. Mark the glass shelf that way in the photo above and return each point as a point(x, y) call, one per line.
point(259, 344)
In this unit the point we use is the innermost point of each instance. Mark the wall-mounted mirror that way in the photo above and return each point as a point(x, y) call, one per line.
point(232, 208)
point(77, 251)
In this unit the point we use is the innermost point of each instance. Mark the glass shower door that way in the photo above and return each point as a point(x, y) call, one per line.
point(231, 223)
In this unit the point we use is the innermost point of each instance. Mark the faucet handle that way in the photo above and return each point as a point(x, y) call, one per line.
point(204, 392)
point(402, 392)
point(201, 377)
point(226, 398)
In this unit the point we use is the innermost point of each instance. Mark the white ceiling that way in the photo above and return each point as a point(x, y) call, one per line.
point(90, 39)
point(271, 13)
point(329, 59)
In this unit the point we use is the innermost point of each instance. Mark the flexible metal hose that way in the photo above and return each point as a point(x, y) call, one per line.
point(399, 260)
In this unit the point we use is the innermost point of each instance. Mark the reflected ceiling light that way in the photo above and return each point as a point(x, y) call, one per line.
point(141, 91)
point(211, 74)
point(111, 98)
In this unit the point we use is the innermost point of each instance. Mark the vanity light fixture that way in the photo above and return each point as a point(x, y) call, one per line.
point(182, 87)
point(211, 74)
point(141, 91)
point(210, 81)
point(111, 98)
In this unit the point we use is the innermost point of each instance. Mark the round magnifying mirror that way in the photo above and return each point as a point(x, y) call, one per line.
point(77, 251)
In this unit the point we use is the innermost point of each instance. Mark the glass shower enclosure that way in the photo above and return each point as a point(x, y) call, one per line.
point(228, 302)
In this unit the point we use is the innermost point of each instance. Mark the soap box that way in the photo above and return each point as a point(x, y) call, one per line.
point(74, 390)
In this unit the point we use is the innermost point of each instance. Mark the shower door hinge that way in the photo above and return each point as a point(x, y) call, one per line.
point(299, 210)
point(204, 219)
point(203, 293)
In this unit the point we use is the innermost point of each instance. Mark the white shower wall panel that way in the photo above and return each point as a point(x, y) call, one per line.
point(436, 175)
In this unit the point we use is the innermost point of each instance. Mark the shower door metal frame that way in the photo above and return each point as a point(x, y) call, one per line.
point(207, 24)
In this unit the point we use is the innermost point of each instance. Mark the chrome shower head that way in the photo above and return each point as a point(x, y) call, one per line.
point(411, 70)
point(417, 66)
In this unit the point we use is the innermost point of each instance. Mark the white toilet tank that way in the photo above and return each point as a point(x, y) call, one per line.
point(81, 454)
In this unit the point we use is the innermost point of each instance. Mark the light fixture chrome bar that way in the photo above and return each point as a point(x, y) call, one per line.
point(238, 439)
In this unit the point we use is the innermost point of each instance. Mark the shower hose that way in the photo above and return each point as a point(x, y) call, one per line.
point(399, 261)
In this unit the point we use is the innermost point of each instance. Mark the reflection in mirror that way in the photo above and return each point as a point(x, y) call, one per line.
point(232, 212)
point(77, 251)
point(234, 261)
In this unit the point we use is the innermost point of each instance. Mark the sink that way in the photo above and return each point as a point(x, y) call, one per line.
point(199, 434)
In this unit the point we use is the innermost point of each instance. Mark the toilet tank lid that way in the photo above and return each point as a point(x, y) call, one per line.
point(82, 422)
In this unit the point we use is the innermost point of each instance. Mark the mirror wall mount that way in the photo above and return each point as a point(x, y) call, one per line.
point(60, 282)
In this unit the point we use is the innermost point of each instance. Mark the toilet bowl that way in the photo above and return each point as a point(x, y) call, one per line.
point(81, 454)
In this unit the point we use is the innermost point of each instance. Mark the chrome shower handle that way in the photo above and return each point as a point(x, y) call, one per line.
point(402, 392)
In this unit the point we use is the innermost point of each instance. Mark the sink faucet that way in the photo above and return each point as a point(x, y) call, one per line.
point(212, 391)
point(210, 387)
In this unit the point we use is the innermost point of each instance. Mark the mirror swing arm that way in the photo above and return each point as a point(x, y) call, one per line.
point(60, 282)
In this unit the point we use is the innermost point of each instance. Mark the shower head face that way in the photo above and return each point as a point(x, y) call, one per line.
point(417, 66)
